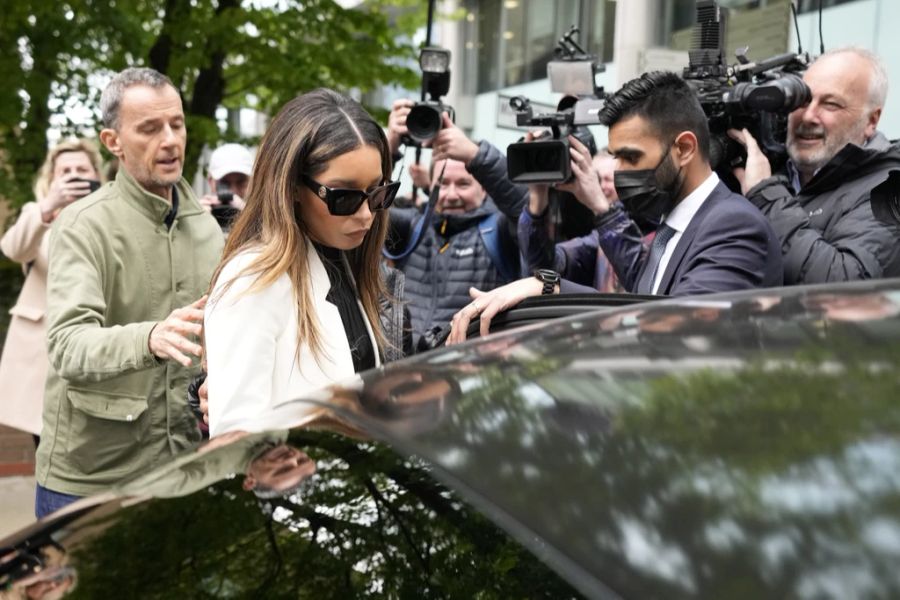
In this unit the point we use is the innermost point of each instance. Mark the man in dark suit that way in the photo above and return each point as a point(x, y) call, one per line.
point(709, 239)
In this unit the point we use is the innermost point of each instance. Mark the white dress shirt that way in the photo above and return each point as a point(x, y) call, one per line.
point(680, 218)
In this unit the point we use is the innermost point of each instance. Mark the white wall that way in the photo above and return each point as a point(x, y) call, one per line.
point(486, 108)
point(870, 24)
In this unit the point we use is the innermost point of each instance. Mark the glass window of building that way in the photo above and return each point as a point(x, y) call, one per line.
point(511, 41)
point(811, 5)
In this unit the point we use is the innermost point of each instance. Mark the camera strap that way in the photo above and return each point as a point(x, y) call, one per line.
point(422, 223)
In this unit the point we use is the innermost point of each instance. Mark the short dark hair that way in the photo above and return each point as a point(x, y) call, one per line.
point(665, 101)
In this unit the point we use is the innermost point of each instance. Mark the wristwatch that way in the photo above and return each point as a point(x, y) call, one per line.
point(549, 278)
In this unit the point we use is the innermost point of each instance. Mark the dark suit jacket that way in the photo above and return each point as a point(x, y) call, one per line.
point(728, 245)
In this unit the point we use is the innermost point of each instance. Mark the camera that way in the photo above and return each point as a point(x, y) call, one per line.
point(572, 73)
point(757, 96)
point(93, 184)
point(424, 120)
point(224, 213)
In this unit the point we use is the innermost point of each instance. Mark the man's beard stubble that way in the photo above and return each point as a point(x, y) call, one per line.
point(813, 160)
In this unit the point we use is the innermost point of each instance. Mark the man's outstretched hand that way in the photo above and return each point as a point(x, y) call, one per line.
point(169, 339)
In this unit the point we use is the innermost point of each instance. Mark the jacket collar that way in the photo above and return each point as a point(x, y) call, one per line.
point(850, 163)
point(156, 207)
point(449, 225)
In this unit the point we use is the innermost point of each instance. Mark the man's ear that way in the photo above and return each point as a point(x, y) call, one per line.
point(249, 483)
point(686, 146)
point(872, 122)
point(110, 139)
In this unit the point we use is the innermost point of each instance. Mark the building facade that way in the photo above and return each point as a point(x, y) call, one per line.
point(501, 47)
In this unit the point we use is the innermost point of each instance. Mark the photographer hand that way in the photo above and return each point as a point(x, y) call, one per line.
point(451, 142)
point(209, 201)
point(397, 123)
point(237, 202)
point(538, 197)
point(757, 167)
point(168, 338)
point(419, 175)
point(585, 182)
point(63, 191)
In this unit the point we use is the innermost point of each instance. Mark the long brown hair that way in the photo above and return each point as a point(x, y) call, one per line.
point(304, 136)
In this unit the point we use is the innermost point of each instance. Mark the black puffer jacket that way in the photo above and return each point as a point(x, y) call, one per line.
point(828, 231)
point(438, 282)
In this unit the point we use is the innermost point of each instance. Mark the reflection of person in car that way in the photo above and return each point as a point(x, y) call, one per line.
point(854, 307)
point(53, 579)
point(278, 471)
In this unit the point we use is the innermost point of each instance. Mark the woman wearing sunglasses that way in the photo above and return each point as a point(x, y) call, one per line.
point(299, 300)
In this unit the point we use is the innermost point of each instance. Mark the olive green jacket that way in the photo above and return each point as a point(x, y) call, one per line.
point(111, 408)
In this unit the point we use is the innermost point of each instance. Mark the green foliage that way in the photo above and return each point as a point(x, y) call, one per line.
point(371, 525)
point(231, 53)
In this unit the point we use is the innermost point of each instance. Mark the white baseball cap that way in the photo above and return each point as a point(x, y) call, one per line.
point(230, 158)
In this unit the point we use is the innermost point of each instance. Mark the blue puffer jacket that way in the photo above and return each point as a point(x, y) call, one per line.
point(438, 282)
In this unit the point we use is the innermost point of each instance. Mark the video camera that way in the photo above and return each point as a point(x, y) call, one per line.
point(757, 96)
point(572, 73)
point(424, 120)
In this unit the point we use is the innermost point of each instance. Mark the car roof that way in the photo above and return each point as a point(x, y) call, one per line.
point(684, 448)
point(735, 445)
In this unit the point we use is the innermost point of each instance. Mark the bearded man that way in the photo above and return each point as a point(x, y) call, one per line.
point(822, 206)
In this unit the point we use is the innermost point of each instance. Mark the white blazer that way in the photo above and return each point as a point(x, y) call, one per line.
point(251, 346)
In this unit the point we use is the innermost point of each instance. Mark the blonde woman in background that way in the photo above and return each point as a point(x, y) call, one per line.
point(66, 176)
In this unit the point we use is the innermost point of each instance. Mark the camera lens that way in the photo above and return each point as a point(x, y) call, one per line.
point(423, 122)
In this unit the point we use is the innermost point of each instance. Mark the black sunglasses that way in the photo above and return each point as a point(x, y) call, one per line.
point(343, 202)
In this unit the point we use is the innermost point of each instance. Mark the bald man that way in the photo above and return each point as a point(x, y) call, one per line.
point(821, 206)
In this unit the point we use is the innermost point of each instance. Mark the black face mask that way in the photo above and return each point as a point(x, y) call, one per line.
point(644, 196)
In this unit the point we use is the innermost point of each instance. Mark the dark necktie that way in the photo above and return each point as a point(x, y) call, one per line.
point(657, 249)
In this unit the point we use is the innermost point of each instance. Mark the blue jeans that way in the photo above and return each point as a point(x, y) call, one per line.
point(47, 501)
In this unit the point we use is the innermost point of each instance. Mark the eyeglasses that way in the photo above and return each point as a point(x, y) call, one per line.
point(343, 202)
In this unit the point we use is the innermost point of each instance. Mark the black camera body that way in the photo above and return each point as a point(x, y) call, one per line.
point(757, 96)
point(93, 184)
point(548, 161)
point(425, 120)
point(224, 213)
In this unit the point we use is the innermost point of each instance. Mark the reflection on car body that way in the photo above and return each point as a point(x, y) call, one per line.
point(730, 446)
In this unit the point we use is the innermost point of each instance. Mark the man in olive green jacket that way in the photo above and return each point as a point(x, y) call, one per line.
point(129, 266)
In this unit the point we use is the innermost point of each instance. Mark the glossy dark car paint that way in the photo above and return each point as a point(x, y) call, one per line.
point(729, 446)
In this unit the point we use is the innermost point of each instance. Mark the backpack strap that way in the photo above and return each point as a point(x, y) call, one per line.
point(490, 236)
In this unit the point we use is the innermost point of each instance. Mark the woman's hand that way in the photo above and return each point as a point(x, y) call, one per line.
point(63, 191)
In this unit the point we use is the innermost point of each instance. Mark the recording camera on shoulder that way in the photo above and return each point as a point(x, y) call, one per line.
point(757, 96)
point(573, 72)
point(424, 120)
